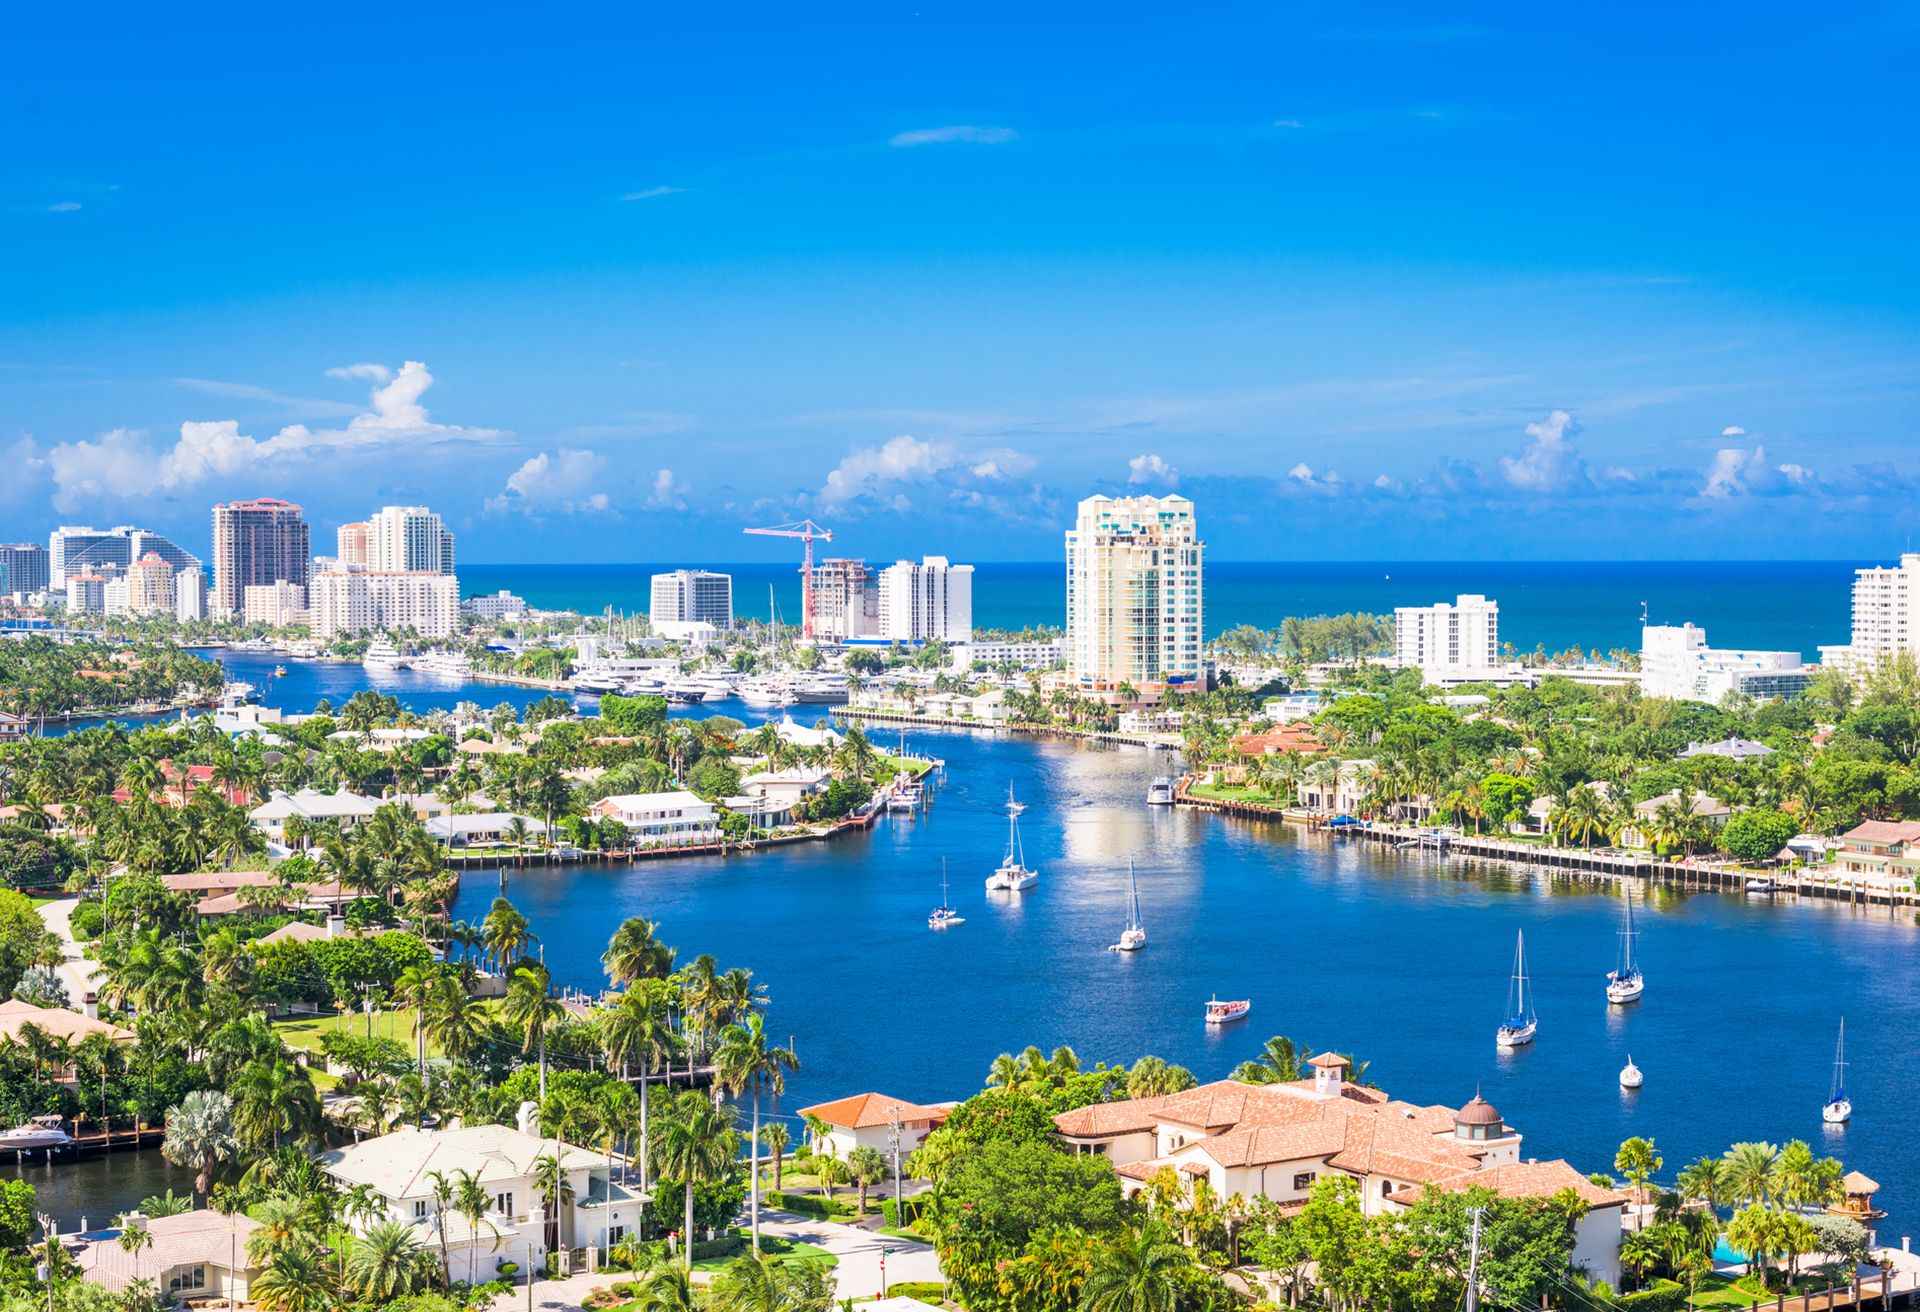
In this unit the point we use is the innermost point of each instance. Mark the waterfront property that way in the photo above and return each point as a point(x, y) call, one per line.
point(1676, 662)
point(1704, 807)
point(1277, 1140)
point(1135, 598)
point(484, 828)
point(676, 815)
point(866, 1120)
point(345, 808)
point(594, 1209)
point(58, 1023)
point(1882, 847)
point(194, 1255)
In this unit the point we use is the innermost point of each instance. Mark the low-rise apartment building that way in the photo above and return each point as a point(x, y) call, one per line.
point(677, 816)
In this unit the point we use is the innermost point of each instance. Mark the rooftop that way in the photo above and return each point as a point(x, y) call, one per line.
point(865, 1110)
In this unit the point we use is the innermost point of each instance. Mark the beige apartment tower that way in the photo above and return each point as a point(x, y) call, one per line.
point(1135, 593)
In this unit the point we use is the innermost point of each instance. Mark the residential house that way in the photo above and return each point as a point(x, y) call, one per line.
point(485, 827)
point(677, 816)
point(474, 748)
point(789, 785)
point(308, 805)
point(1151, 720)
point(596, 1209)
point(1704, 806)
point(179, 784)
point(1337, 796)
point(13, 727)
point(1278, 1140)
point(194, 1256)
point(58, 1023)
point(1881, 847)
point(866, 1119)
point(1298, 739)
point(1734, 749)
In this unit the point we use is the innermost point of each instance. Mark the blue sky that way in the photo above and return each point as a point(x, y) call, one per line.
point(1367, 282)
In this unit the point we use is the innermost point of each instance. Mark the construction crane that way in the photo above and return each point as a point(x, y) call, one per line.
point(806, 530)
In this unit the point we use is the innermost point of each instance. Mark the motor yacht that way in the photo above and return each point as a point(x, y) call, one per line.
point(383, 655)
point(1219, 1013)
point(42, 1132)
point(1160, 792)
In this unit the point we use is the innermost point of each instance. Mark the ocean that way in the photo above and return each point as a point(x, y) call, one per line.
point(1763, 605)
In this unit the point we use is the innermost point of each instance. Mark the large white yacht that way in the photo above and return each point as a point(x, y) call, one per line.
point(383, 655)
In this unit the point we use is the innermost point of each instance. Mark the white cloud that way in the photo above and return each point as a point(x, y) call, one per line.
point(120, 464)
point(667, 494)
point(64, 207)
point(544, 484)
point(939, 136)
point(1736, 472)
point(1734, 431)
point(651, 192)
point(1550, 463)
point(1152, 469)
point(902, 460)
point(377, 372)
point(1289, 123)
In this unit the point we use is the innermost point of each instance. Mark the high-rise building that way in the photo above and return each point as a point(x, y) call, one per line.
point(409, 539)
point(276, 604)
point(1676, 662)
point(1886, 615)
point(23, 567)
point(355, 544)
point(190, 594)
point(75, 549)
point(375, 599)
point(256, 542)
point(86, 594)
point(1135, 593)
point(690, 596)
point(1464, 635)
point(933, 599)
point(845, 601)
point(144, 542)
point(150, 585)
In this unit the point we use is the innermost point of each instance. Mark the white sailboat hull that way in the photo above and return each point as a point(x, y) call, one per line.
point(1837, 1112)
point(1630, 1077)
point(1626, 990)
point(1515, 1036)
point(1012, 879)
point(1131, 941)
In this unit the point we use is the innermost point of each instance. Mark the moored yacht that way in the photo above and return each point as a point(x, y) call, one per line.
point(1630, 1077)
point(1839, 1108)
point(1624, 982)
point(1160, 792)
point(1219, 1013)
point(383, 655)
point(40, 1132)
point(1517, 1030)
point(1134, 936)
point(1013, 876)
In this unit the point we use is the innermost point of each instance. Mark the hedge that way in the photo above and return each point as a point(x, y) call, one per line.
point(912, 1206)
point(1662, 1296)
point(808, 1204)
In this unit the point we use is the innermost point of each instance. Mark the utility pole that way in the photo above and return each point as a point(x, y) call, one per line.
point(1473, 1265)
point(893, 1138)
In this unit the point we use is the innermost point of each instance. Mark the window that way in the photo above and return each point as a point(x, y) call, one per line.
point(615, 1233)
point(503, 1204)
point(419, 1207)
point(1303, 1182)
point(192, 1277)
point(1386, 1187)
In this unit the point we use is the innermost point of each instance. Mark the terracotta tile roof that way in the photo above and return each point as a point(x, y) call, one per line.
point(1317, 1139)
point(206, 881)
point(1532, 1180)
point(1142, 1170)
point(56, 1021)
point(1885, 831)
point(1192, 1168)
point(1104, 1119)
point(865, 1110)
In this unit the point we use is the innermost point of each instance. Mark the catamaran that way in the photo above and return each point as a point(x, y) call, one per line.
point(944, 915)
point(1134, 936)
point(1838, 1110)
point(1517, 1030)
point(1013, 876)
point(1624, 983)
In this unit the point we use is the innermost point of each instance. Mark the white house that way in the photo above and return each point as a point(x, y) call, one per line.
point(867, 1119)
point(1703, 805)
point(484, 827)
point(675, 815)
point(399, 1166)
point(1277, 1140)
point(349, 809)
point(1340, 795)
point(787, 786)
point(801, 736)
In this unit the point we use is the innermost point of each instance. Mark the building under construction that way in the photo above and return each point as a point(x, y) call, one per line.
point(846, 600)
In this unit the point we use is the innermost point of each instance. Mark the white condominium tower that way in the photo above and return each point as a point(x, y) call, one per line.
point(1886, 615)
point(1134, 593)
point(692, 596)
point(408, 540)
point(933, 599)
point(1465, 635)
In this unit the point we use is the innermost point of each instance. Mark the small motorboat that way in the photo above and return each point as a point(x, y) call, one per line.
point(1134, 936)
point(1838, 1109)
point(1630, 1077)
point(1762, 886)
point(279, 671)
point(38, 1133)
point(1219, 1013)
point(1517, 1030)
point(1160, 792)
point(905, 797)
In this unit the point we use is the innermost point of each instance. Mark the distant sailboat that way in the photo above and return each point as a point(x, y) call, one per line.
point(944, 915)
point(1838, 1110)
point(1624, 984)
point(1134, 936)
point(1517, 1030)
point(1013, 876)
point(1630, 1077)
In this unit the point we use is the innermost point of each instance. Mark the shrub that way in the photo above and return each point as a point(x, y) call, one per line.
point(808, 1204)
point(927, 1291)
point(88, 920)
point(1660, 1296)
point(725, 1246)
point(911, 1206)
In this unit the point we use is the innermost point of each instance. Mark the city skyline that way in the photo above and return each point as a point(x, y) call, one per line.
point(1408, 288)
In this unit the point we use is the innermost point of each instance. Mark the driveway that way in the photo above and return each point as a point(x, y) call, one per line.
point(75, 971)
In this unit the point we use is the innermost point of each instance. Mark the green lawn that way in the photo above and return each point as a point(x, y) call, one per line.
point(1721, 1291)
point(305, 1031)
point(773, 1246)
point(1233, 793)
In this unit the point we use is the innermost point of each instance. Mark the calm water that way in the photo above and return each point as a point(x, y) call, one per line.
point(97, 1188)
point(1773, 605)
point(1399, 958)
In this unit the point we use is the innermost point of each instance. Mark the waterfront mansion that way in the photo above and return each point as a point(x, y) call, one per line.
point(1278, 1139)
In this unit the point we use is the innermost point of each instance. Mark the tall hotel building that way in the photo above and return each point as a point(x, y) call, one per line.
point(933, 599)
point(1135, 594)
point(409, 540)
point(257, 542)
point(1886, 615)
point(1440, 637)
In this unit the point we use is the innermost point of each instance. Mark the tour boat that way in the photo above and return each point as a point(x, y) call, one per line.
point(685, 692)
point(1160, 792)
point(1625, 984)
point(1517, 1030)
point(1013, 876)
point(1133, 937)
point(944, 915)
point(40, 1132)
point(1838, 1110)
point(383, 655)
point(1630, 1074)
point(1219, 1013)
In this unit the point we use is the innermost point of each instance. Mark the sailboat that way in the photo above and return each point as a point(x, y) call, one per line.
point(1133, 937)
point(1630, 1077)
point(1517, 1030)
point(1013, 875)
point(1625, 984)
point(1838, 1110)
point(944, 915)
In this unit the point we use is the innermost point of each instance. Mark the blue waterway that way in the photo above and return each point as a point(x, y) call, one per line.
point(1401, 958)
point(1772, 605)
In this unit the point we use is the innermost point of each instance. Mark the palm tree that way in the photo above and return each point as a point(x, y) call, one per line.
point(1279, 1063)
point(767, 1284)
point(638, 1026)
point(294, 1282)
point(1706, 1182)
point(530, 1006)
point(1749, 1172)
point(1155, 1077)
point(747, 1062)
point(868, 1166)
point(1638, 1161)
point(776, 1137)
point(1755, 1231)
point(633, 953)
point(1136, 1271)
point(696, 1145)
point(200, 1135)
point(472, 1201)
point(508, 934)
point(386, 1263)
point(276, 1098)
point(666, 1290)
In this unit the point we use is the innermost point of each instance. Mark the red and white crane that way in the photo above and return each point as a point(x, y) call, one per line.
point(806, 530)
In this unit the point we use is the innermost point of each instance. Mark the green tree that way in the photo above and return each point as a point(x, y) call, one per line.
point(768, 1284)
point(1758, 835)
point(695, 1145)
point(1638, 1161)
point(530, 1006)
point(200, 1135)
point(16, 1214)
point(1143, 1270)
point(747, 1063)
point(387, 1262)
